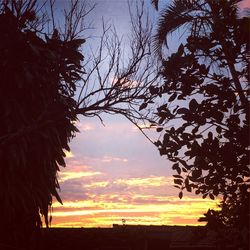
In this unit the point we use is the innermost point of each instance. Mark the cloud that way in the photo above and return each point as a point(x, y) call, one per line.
point(69, 175)
point(111, 159)
point(245, 4)
point(85, 127)
point(152, 181)
point(118, 187)
point(107, 180)
point(99, 187)
point(98, 184)
point(105, 210)
point(90, 161)
point(92, 198)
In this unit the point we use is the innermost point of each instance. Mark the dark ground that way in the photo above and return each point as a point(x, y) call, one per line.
point(137, 238)
point(128, 237)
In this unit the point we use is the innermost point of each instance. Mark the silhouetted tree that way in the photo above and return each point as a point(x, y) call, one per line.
point(44, 87)
point(231, 222)
point(234, 211)
point(38, 81)
point(204, 115)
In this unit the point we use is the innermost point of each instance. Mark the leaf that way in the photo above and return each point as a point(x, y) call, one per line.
point(180, 195)
point(172, 97)
point(157, 143)
point(236, 108)
point(57, 196)
point(198, 136)
point(216, 191)
point(60, 161)
point(195, 130)
point(211, 196)
point(159, 129)
point(182, 111)
point(143, 106)
point(175, 165)
point(197, 191)
point(153, 90)
point(196, 173)
point(204, 195)
point(189, 189)
point(218, 116)
point(203, 69)
point(76, 43)
point(161, 120)
point(218, 129)
point(193, 105)
point(201, 121)
point(180, 50)
point(210, 136)
point(177, 176)
point(178, 181)
point(177, 168)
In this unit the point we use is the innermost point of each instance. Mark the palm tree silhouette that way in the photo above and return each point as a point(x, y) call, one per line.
point(196, 17)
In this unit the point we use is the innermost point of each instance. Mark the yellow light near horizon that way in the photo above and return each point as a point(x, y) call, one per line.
point(99, 214)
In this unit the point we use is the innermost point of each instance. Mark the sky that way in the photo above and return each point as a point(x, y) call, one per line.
point(113, 172)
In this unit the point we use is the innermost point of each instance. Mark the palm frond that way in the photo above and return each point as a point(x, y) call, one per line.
point(171, 18)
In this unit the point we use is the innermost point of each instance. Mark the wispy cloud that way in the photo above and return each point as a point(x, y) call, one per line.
point(98, 184)
point(112, 158)
point(245, 4)
point(65, 176)
point(85, 127)
point(152, 181)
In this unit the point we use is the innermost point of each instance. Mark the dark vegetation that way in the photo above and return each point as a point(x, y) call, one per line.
point(137, 238)
point(204, 116)
point(203, 89)
point(44, 88)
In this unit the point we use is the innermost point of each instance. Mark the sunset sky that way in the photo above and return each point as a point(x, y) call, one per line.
point(113, 172)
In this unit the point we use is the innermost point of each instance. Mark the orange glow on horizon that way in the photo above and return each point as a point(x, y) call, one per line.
point(96, 213)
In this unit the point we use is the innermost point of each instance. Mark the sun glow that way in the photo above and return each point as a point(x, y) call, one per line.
point(100, 213)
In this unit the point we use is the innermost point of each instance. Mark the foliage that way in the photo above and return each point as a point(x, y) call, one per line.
point(41, 74)
point(204, 118)
point(234, 212)
point(231, 222)
point(38, 81)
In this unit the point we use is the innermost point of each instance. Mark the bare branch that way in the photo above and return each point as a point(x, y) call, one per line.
point(119, 83)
